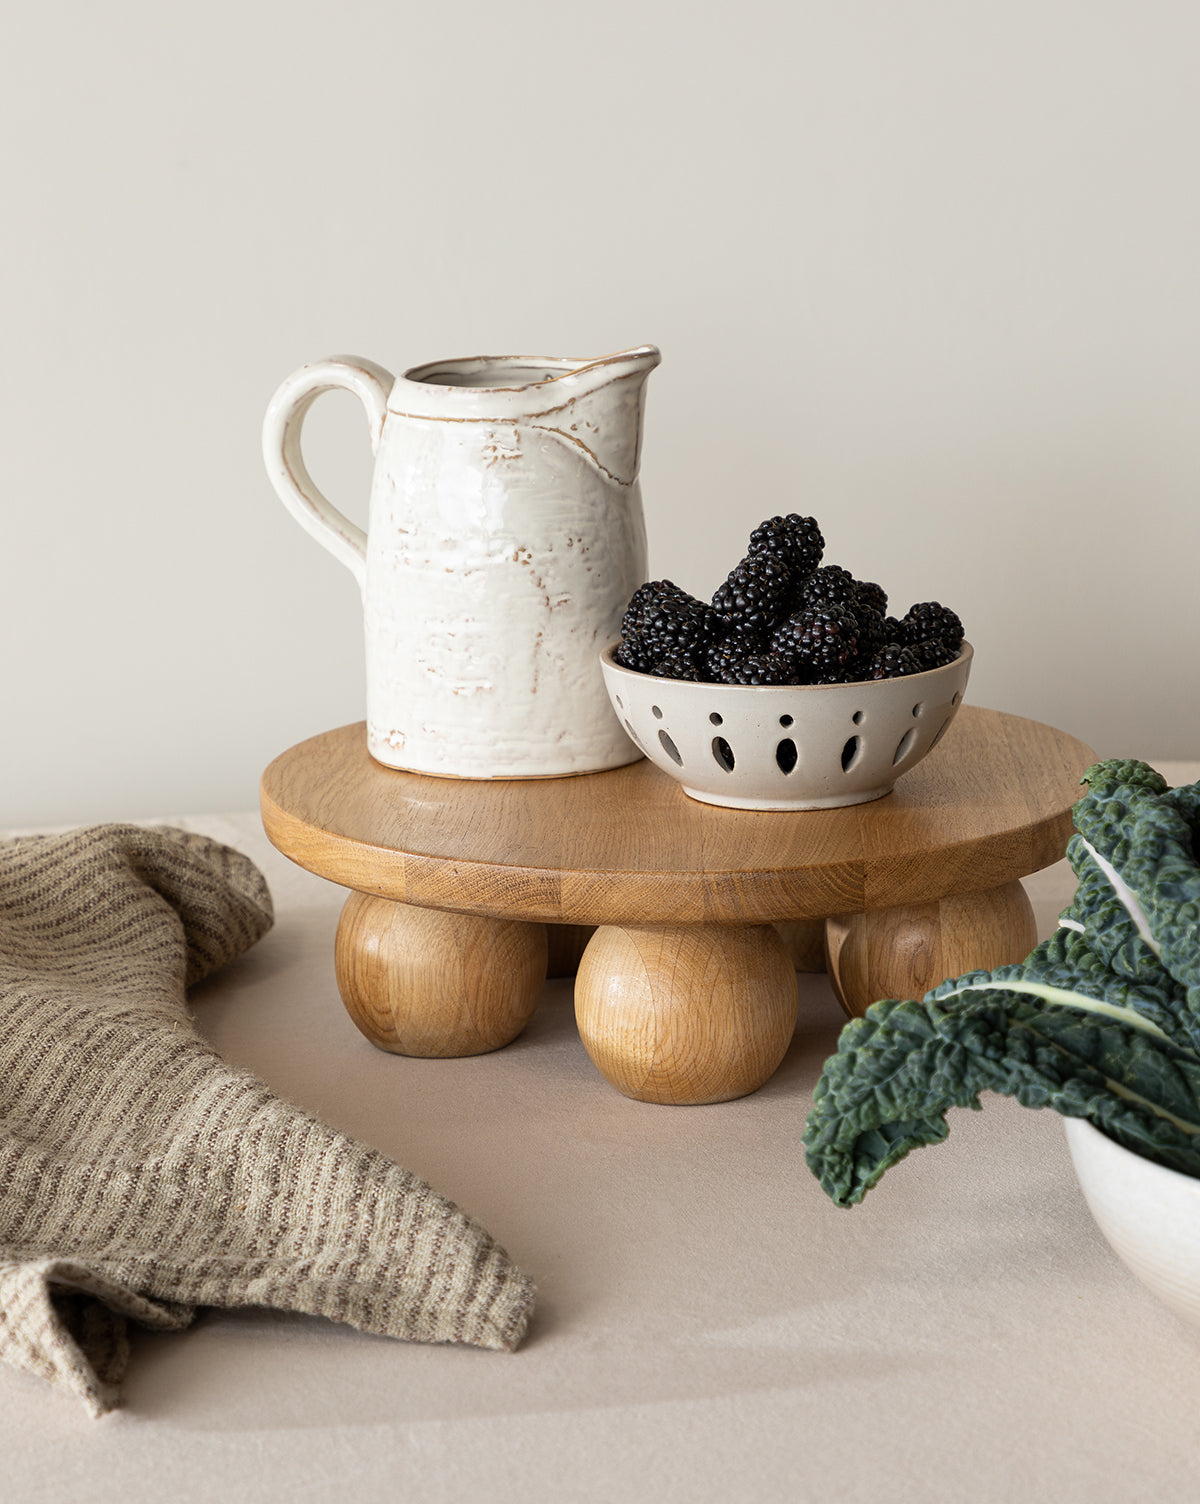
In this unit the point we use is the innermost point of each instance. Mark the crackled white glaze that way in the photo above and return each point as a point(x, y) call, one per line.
point(504, 539)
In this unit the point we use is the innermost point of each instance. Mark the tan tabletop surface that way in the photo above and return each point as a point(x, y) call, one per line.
point(709, 1326)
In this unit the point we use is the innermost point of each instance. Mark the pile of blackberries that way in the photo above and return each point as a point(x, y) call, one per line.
point(782, 617)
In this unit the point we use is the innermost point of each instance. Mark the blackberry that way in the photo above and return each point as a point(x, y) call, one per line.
point(930, 619)
point(893, 629)
point(794, 539)
point(666, 618)
point(831, 584)
point(873, 636)
point(933, 652)
point(643, 600)
point(629, 653)
point(749, 637)
point(893, 661)
point(648, 599)
point(684, 661)
point(872, 596)
point(754, 593)
point(725, 653)
point(821, 640)
point(760, 668)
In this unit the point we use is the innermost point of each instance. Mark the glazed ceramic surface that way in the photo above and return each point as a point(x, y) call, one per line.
point(504, 539)
point(816, 746)
point(1150, 1215)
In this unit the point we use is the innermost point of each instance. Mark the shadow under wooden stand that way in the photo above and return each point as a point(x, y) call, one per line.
point(685, 922)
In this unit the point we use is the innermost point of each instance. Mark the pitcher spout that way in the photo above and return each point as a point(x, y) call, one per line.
point(598, 407)
point(594, 375)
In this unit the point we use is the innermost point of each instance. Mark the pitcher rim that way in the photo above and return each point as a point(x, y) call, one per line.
point(570, 366)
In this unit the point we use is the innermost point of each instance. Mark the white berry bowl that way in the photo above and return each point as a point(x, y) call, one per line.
point(778, 747)
point(1150, 1215)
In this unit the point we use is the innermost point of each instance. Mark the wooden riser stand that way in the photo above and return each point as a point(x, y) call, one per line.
point(684, 924)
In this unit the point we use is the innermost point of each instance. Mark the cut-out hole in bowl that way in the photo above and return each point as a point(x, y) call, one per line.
point(785, 720)
point(722, 754)
point(785, 755)
point(956, 698)
point(637, 741)
point(857, 717)
point(670, 748)
point(940, 730)
point(905, 746)
point(656, 712)
point(918, 708)
point(717, 720)
point(850, 753)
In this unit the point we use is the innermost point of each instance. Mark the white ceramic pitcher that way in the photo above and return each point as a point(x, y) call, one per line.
point(504, 538)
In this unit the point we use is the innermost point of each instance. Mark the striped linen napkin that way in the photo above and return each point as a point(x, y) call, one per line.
point(141, 1177)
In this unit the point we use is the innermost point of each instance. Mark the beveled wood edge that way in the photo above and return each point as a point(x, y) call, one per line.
point(550, 896)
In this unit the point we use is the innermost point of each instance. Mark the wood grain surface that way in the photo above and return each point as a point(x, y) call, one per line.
point(903, 952)
point(436, 984)
point(990, 804)
point(686, 1014)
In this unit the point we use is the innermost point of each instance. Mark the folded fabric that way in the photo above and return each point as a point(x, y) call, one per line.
point(141, 1177)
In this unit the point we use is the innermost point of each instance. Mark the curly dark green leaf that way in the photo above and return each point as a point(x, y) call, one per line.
point(1100, 1021)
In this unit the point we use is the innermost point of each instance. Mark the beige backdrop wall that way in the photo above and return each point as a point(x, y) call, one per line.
point(926, 270)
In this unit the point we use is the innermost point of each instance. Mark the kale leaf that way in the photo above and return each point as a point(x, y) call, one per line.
point(1100, 1021)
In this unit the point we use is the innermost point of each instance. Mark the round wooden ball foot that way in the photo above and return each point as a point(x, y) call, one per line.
point(903, 952)
point(686, 1014)
point(433, 983)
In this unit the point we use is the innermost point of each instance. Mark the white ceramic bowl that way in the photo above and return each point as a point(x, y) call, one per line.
point(807, 746)
point(1150, 1215)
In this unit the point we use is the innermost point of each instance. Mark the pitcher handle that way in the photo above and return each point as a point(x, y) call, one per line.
point(282, 426)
